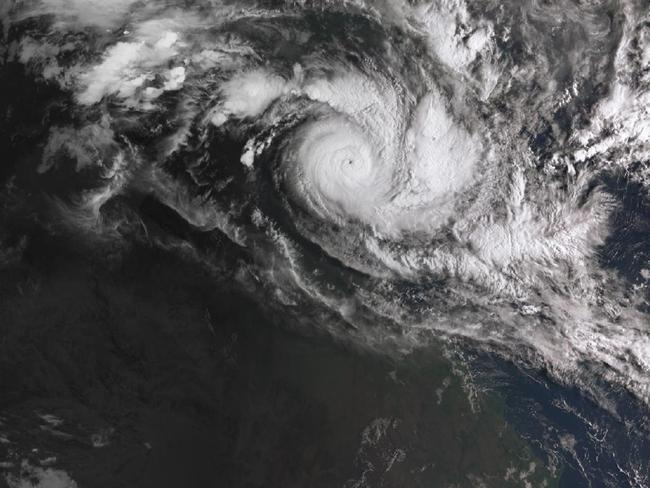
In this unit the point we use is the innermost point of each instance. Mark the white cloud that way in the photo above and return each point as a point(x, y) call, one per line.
point(100, 13)
point(117, 73)
point(35, 477)
point(128, 66)
point(249, 94)
point(88, 146)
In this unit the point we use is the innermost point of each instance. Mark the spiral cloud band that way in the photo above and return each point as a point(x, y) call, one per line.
point(429, 171)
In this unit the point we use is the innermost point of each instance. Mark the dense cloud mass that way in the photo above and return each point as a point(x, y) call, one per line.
point(393, 173)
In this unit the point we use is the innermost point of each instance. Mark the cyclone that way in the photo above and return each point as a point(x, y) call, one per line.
point(335, 162)
point(408, 172)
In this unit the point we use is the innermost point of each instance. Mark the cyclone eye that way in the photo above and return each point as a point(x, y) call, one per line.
point(335, 173)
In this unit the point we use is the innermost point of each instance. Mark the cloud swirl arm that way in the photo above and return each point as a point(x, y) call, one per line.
point(469, 174)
